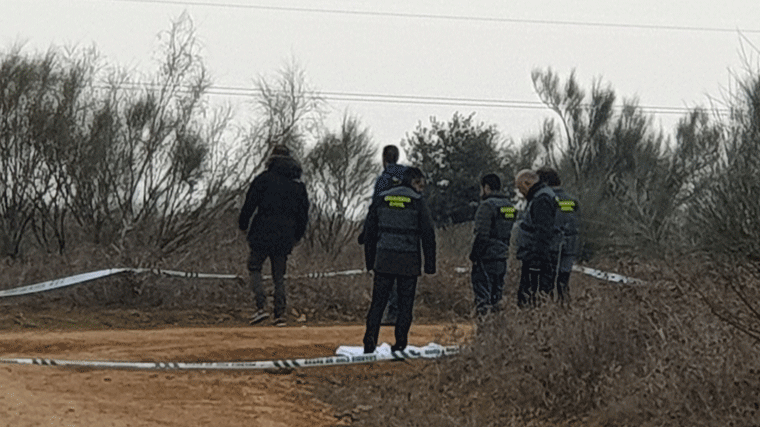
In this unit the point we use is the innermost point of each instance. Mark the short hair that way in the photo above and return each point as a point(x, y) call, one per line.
point(492, 180)
point(549, 176)
point(410, 174)
point(390, 154)
point(527, 175)
point(280, 150)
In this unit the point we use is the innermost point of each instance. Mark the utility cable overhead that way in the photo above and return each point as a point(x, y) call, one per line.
point(451, 17)
point(235, 91)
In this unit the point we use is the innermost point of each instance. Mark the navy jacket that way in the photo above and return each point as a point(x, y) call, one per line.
point(539, 238)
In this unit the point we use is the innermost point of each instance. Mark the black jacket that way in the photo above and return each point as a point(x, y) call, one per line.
point(397, 223)
point(493, 228)
point(539, 238)
point(282, 207)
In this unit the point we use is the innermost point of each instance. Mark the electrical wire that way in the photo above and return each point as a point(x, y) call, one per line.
point(656, 27)
point(234, 91)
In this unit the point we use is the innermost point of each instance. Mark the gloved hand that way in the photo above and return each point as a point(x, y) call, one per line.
point(360, 239)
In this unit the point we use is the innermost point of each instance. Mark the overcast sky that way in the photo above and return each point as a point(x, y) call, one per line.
point(668, 53)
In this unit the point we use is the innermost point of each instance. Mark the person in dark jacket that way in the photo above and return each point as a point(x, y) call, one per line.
point(567, 222)
point(391, 176)
point(399, 230)
point(490, 249)
point(538, 239)
point(281, 204)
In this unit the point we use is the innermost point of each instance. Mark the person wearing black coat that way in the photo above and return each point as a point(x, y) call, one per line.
point(398, 231)
point(281, 206)
point(538, 239)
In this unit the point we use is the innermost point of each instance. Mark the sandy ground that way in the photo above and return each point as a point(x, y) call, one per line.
point(53, 396)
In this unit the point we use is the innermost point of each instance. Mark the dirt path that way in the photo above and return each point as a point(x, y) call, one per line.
point(38, 395)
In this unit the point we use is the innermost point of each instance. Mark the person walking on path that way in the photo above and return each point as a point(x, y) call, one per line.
point(399, 230)
point(281, 206)
point(490, 249)
point(538, 239)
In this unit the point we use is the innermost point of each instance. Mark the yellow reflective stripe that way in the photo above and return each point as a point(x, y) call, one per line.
point(397, 201)
point(566, 205)
point(508, 212)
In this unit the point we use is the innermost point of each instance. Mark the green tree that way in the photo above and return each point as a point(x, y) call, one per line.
point(453, 156)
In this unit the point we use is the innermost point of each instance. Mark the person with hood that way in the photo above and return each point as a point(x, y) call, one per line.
point(390, 177)
point(281, 206)
point(399, 229)
point(538, 239)
point(490, 249)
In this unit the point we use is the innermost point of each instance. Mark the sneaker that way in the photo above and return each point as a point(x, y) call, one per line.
point(280, 321)
point(259, 317)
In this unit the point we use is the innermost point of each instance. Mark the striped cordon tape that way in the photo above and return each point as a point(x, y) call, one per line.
point(93, 275)
point(346, 356)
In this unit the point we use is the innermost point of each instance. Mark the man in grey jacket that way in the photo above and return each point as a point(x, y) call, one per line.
point(398, 231)
point(490, 249)
point(567, 222)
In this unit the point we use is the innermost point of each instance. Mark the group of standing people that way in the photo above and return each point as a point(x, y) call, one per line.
point(399, 239)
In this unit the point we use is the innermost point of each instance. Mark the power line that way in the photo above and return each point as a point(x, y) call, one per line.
point(235, 91)
point(452, 17)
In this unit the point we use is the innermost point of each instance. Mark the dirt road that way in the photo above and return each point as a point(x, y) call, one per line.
point(52, 396)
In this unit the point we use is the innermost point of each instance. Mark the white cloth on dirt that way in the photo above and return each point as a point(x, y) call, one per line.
point(431, 350)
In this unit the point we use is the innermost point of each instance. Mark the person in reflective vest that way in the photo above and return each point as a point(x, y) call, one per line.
point(490, 249)
point(391, 176)
point(567, 223)
point(538, 239)
point(398, 231)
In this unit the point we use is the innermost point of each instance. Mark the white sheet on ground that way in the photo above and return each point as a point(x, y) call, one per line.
point(431, 350)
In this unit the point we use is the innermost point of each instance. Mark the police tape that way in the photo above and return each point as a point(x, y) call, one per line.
point(610, 277)
point(86, 277)
point(430, 351)
point(93, 275)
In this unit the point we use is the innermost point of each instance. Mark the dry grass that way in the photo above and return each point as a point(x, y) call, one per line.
point(620, 356)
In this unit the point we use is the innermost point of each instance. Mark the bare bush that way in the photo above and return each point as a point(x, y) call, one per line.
point(633, 184)
point(621, 356)
point(340, 170)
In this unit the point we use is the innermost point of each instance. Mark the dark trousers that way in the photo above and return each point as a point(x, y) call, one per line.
point(488, 285)
point(391, 311)
point(279, 262)
point(563, 286)
point(406, 287)
point(536, 278)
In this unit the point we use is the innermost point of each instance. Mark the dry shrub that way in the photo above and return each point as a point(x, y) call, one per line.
point(620, 356)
